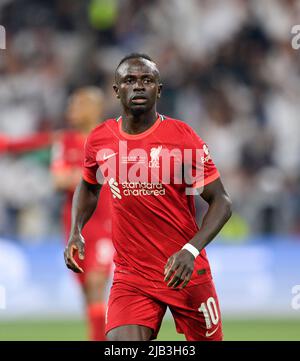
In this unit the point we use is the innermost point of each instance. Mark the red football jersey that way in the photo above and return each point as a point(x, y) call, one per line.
point(68, 153)
point(152, 176)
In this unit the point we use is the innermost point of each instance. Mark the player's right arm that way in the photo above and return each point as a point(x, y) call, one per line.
point(85, 201)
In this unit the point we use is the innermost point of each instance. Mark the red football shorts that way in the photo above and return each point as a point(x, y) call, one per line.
point(195, 309)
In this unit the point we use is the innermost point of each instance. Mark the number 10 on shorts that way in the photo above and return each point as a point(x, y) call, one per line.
point(210, 312)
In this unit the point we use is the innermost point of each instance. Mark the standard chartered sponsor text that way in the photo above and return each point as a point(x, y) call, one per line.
point(143, 188)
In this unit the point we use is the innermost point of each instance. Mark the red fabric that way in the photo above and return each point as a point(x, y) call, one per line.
point(150, 221)
point(96, 318)
point(3, 143)
point(30, 143)
point(131, 304)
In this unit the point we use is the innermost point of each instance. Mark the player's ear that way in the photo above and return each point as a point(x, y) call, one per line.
point(159, 90)
point(116, 89)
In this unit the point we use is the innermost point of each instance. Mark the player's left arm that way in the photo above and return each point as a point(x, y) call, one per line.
point(181, 264)
point(219, 212)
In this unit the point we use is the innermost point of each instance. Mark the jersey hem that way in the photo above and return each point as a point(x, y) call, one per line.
point(135, 280)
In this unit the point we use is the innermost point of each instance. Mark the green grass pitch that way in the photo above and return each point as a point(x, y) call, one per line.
point(234, 330)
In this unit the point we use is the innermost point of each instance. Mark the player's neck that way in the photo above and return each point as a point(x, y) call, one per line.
point(135, 124)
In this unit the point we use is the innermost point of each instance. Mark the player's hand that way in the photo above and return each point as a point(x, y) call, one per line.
point(75, 244)
point(179, 269)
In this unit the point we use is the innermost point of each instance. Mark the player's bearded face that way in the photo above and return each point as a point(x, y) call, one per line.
point(138, 87)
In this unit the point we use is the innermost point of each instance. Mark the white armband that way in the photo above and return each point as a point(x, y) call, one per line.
point(193, 250)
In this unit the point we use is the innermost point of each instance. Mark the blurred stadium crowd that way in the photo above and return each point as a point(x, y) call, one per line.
point(228, 69)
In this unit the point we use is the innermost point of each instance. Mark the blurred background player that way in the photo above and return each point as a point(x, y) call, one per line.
point(83, 113)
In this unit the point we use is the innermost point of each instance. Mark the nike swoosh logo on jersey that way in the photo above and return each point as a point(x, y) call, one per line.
point(105, 157)
point(208, 334)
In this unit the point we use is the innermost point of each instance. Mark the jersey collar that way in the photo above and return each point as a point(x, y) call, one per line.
point(159, 119)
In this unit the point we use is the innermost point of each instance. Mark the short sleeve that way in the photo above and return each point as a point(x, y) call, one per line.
point(90, 165)
point(202, 168)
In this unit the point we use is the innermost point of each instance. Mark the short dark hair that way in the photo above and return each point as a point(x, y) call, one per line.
point(135, 56)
